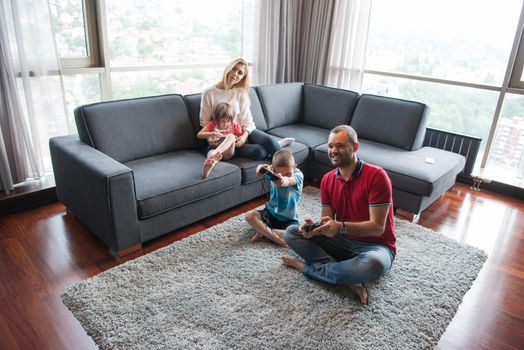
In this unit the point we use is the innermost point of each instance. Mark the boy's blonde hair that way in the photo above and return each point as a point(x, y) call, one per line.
point(244, 83)
point(222, 110)
point(283, 158)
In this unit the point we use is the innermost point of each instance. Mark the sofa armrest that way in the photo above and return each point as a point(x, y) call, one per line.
point(98, 190)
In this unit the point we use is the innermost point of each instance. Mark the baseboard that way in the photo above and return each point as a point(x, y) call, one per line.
point(28, 195)
point(497, 187)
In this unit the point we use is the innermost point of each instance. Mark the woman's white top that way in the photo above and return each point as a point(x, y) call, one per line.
point(235, 98)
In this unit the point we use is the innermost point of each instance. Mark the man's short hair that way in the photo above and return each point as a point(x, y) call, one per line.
point(352, 134)
point(283, 158)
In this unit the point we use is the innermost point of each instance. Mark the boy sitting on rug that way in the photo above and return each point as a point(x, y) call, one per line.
point(286, 182)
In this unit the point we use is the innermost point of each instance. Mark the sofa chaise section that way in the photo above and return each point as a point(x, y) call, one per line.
point(391, 132)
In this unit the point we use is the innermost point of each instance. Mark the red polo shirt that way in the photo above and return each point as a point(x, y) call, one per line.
point(350, 200)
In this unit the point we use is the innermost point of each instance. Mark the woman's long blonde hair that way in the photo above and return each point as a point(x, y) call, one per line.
point(244, 83)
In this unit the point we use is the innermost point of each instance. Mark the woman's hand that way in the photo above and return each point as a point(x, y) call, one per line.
point(241, 140)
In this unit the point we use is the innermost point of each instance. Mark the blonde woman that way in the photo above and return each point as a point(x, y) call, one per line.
point(233, 89)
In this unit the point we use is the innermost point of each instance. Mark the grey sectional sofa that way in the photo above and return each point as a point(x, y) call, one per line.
point(133, 171)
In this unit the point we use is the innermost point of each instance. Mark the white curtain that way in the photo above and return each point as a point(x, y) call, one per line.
point(33, 105)
point(322, 42)
point(347, 51)
point(268, 28)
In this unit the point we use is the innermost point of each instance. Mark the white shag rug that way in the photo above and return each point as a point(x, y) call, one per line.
point(216, 290)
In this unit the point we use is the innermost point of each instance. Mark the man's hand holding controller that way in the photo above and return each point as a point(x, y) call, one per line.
point(325, 227)
point(308, 227)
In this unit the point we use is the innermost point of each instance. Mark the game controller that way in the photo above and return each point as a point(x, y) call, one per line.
point(312, 226)
point(271, 175)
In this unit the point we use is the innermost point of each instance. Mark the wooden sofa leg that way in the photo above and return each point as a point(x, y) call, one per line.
point(122, 253)
point(411, 217)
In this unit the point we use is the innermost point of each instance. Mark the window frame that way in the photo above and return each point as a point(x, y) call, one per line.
point(517, 81)
point(90, 28)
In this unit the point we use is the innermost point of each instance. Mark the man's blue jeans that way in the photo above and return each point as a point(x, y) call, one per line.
point(339, 260)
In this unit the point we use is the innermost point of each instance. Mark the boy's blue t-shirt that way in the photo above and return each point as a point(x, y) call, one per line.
point(283, 201)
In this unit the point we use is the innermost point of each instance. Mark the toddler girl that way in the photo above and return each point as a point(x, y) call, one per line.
point(221, 134)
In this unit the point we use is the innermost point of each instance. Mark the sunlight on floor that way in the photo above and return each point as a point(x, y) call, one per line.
point(487, 224)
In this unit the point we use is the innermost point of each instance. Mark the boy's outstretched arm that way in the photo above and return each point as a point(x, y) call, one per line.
point(286, 181)
point(260, 166)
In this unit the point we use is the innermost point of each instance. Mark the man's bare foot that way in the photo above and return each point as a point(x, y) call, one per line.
point(256, 237)
point(210, 162)
point(293, 262)
point(359, 290)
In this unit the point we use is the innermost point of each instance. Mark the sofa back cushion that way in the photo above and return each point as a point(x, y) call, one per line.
point(282, 103)
point(257, 111)
point(193, 108)
point(391, 121)
point(327, 107)
point(131, 129)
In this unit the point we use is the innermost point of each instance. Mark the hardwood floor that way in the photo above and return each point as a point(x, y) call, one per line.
point(45, 249)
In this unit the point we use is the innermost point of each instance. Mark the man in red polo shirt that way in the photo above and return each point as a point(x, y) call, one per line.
point(356, 241)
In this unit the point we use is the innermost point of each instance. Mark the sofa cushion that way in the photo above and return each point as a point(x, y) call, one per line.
point(327, 107)
point(310, 136)
point(131, 129)
point(248, 166)
point(256, 110)
point(174, 179)
point(390, 121)
point(282, 103)
point(408, 170)
point(193, 108)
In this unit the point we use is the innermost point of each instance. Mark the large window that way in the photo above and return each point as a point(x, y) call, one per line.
point(468, 41)
point(453, 56)
point(168, 46)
